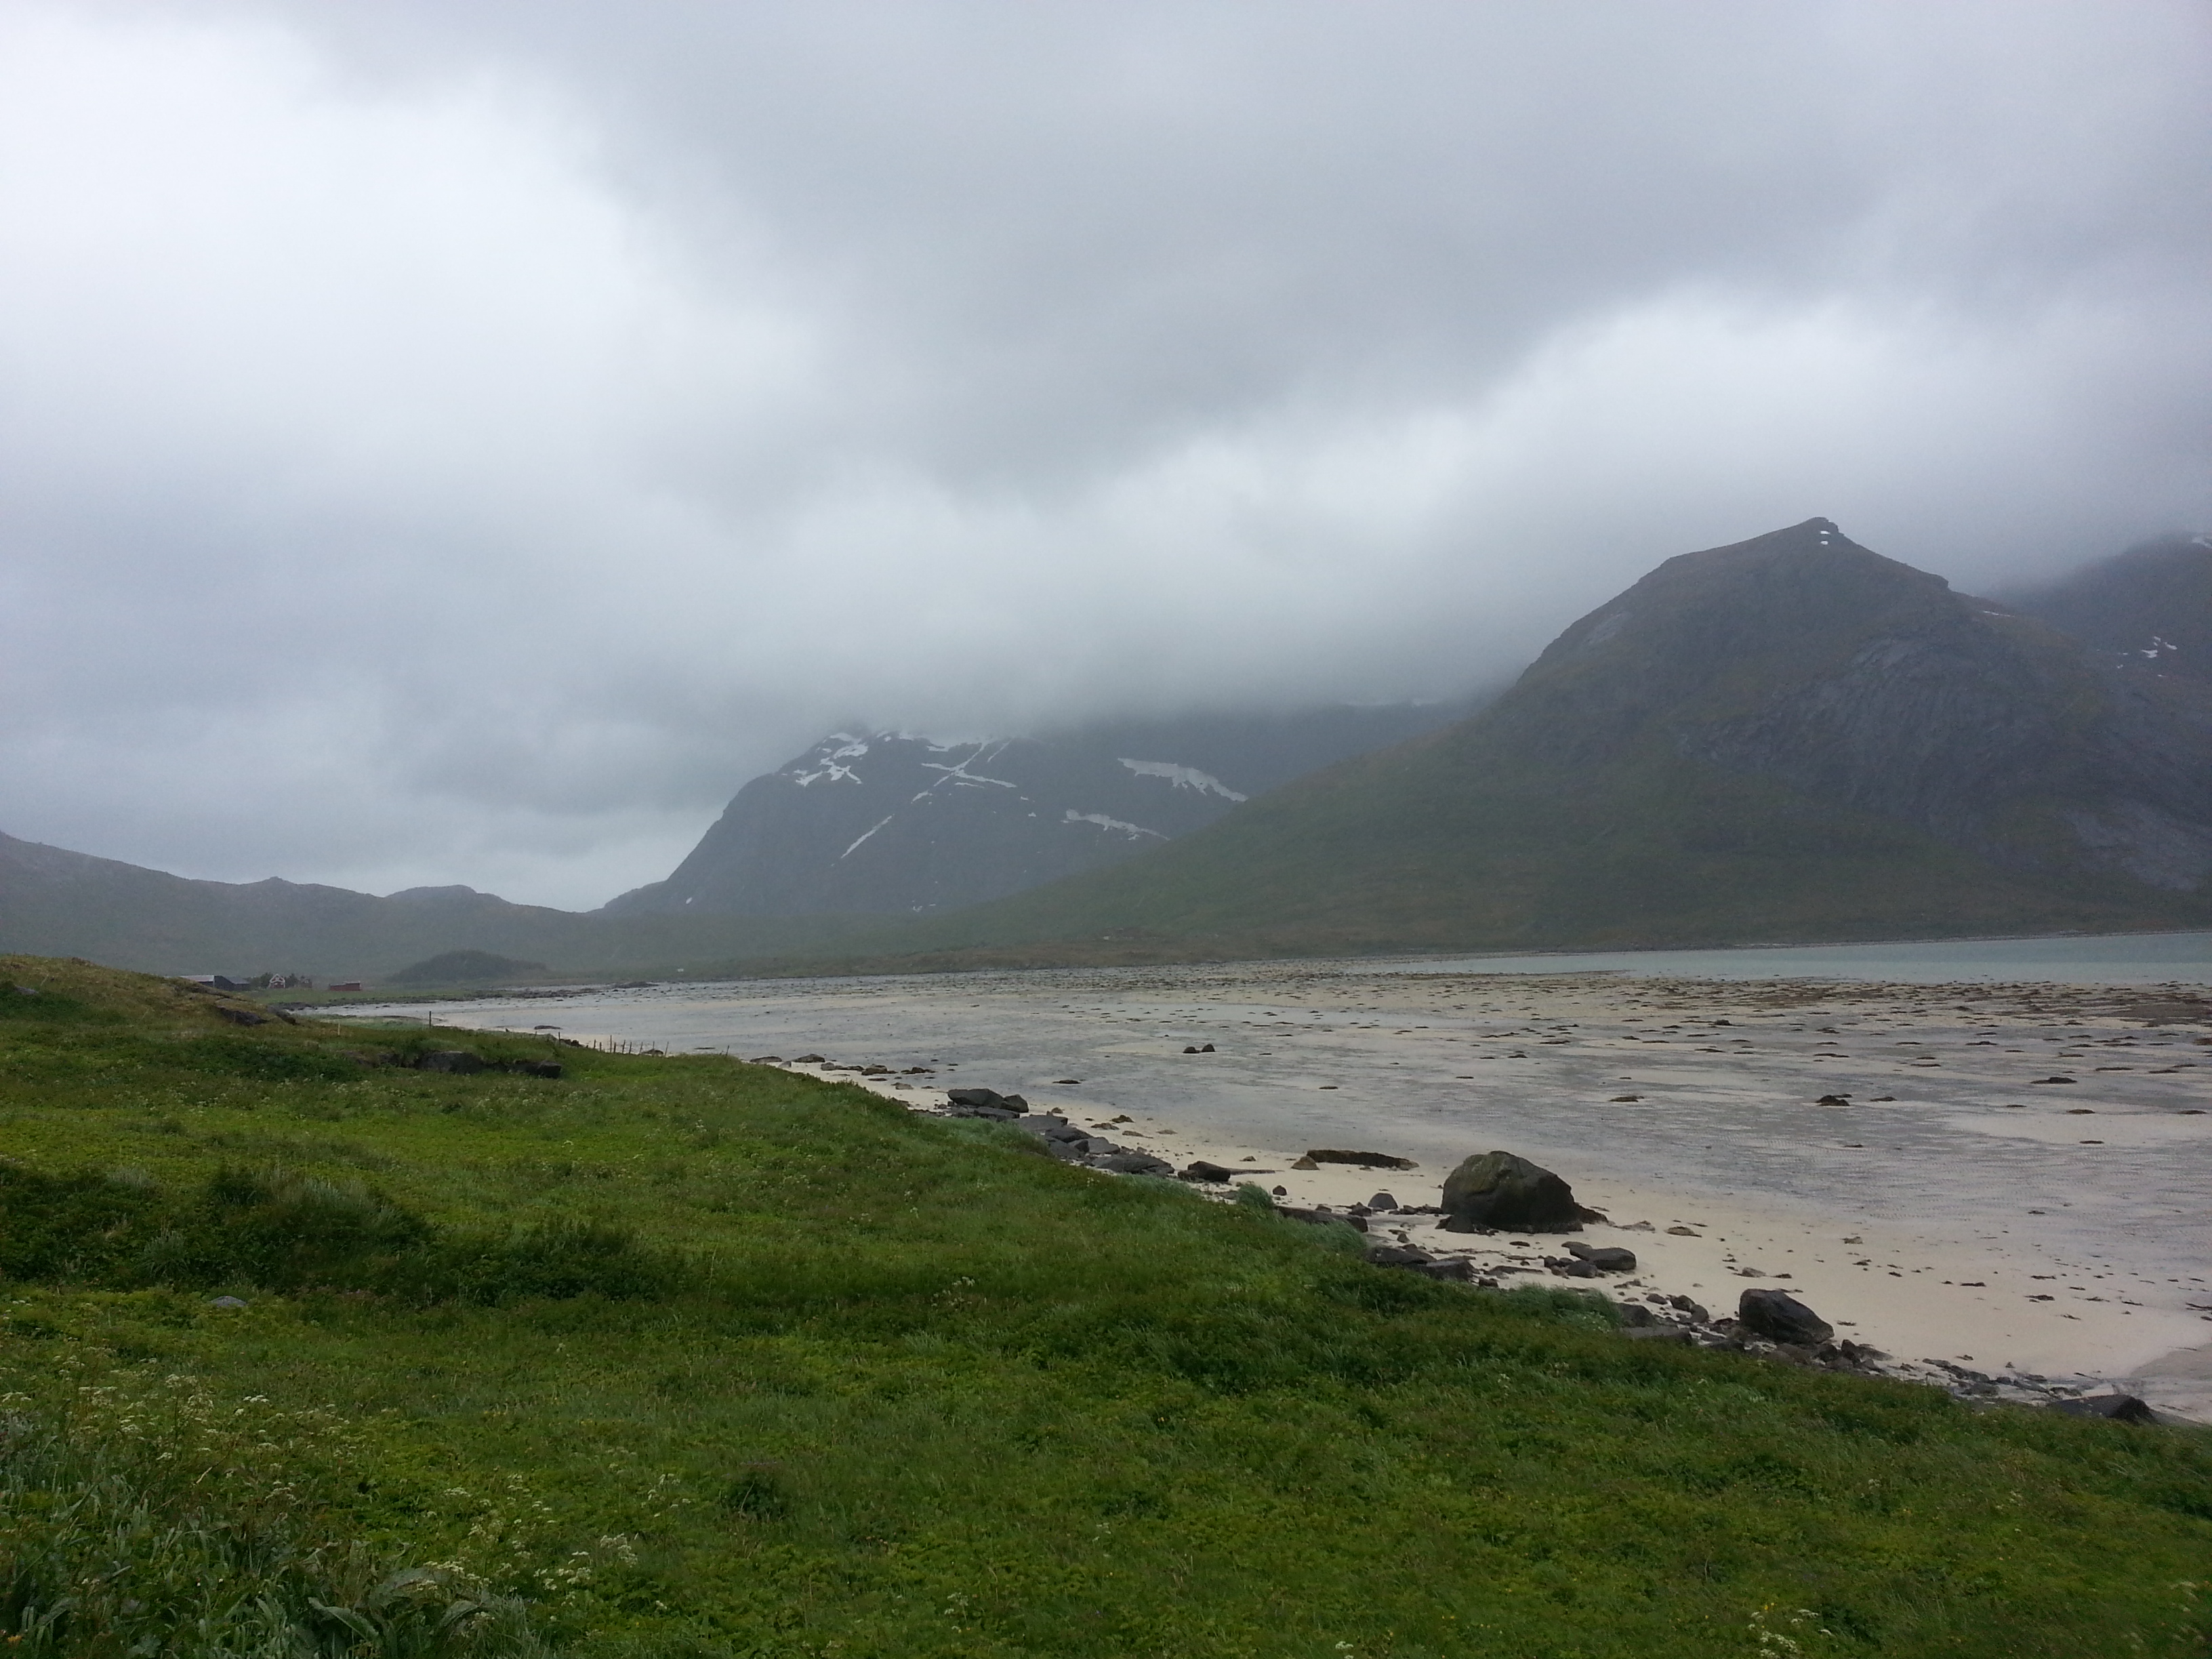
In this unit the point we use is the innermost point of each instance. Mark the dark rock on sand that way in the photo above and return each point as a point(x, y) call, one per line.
point(2113, 1407)
point(1606, 1258)
point(1778, 1316)
point(1200, 1170)
point(990, 1097)
point(1502, 1190)
point(1382, 1201)
point(1365, 1160)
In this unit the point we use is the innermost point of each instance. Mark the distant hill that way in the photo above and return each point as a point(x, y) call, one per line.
point(887, 822)
point(1789, 738)
point(57, 902)
point(465, 968)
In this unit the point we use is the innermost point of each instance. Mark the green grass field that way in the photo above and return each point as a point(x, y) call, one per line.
point(685, 1357)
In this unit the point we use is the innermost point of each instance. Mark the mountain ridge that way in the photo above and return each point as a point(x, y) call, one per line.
point(1681, 765)
point(1789, 738)
point(895, 823)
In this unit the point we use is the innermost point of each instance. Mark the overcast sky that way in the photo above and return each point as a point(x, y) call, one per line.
point(463, 441)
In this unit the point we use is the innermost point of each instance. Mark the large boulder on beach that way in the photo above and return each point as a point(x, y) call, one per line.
point(1606, 1258)
point(988, 1097)
point(1505, 1190)
point(1779, 1317)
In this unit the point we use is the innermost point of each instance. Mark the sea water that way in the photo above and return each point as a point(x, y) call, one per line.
point(2065, 959)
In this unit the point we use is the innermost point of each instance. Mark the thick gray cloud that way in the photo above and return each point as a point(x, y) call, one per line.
point(460, 442)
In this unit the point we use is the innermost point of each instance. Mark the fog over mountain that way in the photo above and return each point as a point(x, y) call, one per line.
point(463, 443)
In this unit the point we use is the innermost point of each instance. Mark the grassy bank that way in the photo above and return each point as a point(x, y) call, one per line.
point(684, 1356)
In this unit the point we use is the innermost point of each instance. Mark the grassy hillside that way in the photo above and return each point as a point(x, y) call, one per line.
point(685, 1357)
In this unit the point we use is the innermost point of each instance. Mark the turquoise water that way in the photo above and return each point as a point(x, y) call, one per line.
point(2071, 959)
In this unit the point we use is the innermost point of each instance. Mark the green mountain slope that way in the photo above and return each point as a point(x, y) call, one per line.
point(1791, 737)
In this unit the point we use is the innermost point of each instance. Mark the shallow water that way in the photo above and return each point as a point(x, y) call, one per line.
point(2075, 959)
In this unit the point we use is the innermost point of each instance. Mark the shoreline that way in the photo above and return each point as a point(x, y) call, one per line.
point(1909, 1154)
point(1862, 1282)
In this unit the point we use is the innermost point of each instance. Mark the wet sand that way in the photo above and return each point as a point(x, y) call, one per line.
point(1947, 1202)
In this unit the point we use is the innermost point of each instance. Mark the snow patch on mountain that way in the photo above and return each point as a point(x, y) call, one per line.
point(1132, 831)
point(1182, 777)
point(828, 761)
point(958, 773)
point(864, 833)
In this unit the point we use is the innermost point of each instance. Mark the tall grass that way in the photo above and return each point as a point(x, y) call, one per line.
point(280, 1228)
point(140, 1517)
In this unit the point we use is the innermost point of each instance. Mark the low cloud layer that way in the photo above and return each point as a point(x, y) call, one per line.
point(461, 442)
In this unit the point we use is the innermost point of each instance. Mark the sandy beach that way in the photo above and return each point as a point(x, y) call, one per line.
point(2007, 1177)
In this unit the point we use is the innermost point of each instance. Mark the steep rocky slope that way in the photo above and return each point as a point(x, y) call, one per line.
point(2147, 611)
